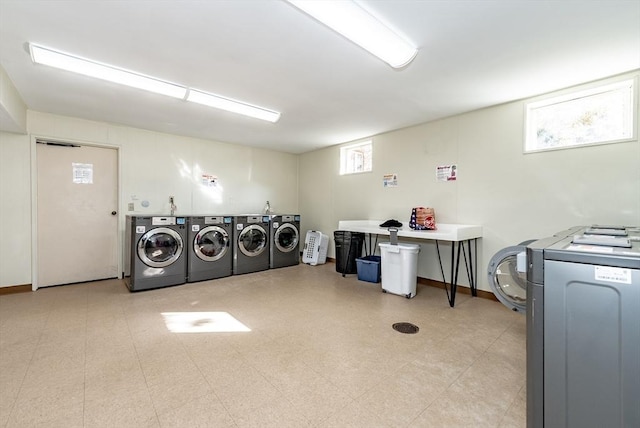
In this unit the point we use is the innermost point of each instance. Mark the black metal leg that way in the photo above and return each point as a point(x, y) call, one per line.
point(452, 300)
point(364, 242)
point(466, 263)
point(451, 297)
point(372, 249)
point(454, 282)
point(475, 273)
point(444, 280)
point(473, 266)
point(346, 262)
point(469, 264)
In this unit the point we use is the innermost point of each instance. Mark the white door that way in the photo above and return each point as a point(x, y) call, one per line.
point(77, 220)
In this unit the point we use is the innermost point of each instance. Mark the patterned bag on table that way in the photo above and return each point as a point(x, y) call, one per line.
point(423, 219)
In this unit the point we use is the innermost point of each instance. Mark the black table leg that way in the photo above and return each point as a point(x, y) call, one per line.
point(471, 265)
point(444, 279)
point(346, 262)
point(451, 297)
point(454, 282)
point(473, 268)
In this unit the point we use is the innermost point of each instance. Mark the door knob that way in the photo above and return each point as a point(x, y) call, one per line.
point(113, 213)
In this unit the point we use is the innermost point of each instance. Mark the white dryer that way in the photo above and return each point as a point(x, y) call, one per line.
point(250, 243)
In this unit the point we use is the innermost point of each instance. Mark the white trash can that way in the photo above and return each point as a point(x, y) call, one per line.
point(399, 266)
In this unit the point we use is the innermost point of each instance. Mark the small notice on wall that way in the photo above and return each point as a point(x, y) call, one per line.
point(390, 180)
point(82, 173)
point(209, 180)
point(446, 172)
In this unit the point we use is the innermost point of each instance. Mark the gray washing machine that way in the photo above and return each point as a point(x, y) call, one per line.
point(250, 243)
point(210, 253)
point(583, 334)
point(285, 241)
point(155, 253)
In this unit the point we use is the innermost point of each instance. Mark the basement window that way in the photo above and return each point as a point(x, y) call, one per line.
point(356, 158)
point(598, 115)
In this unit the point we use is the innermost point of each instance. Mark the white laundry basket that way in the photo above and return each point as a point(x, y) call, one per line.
point(399, 268)
point(315, 248)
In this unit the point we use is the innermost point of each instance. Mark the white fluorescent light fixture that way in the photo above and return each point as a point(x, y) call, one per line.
point(233, 106)
point(363, 29)
point(64, 61)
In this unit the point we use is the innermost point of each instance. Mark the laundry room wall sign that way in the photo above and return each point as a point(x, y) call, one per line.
point(82, 173)
point(446, 172)
point(209, 180)
point(390, 180)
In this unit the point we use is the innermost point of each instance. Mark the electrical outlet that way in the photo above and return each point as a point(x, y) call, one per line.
point(131, 207)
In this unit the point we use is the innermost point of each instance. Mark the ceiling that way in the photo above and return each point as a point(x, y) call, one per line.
point(473, 54)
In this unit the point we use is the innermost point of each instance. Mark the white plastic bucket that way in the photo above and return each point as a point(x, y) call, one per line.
point(399, 268)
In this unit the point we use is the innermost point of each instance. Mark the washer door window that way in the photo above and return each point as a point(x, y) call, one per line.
point(160, 247)
point(211, 243)
point(286, 238)
point(252, 241)
point(508, 285)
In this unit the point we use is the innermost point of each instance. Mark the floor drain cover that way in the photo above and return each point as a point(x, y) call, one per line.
point(406, 327)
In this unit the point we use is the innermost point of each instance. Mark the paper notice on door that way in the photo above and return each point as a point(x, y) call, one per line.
point(82, 173)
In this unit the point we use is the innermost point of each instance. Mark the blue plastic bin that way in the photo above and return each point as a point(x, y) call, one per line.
point(368, 268)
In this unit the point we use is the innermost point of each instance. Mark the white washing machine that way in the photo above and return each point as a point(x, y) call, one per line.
point(210, 254)
point(155, 253)
point(285, 241)
point(251, 243)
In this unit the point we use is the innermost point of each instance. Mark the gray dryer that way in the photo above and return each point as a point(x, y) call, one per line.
point(250, 243)
point(210, 253)
point(583, 332)
point(285, 240)
point(154, 252)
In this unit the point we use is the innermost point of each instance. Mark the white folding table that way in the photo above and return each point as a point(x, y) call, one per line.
point(457, 234)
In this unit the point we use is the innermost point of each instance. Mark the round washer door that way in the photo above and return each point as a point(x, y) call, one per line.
point(160, 247)
point(286, 238)
point(252, 241)
point(211, 243)
point(509, 285)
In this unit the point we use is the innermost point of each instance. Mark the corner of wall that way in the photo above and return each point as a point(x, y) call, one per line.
point(13, 110)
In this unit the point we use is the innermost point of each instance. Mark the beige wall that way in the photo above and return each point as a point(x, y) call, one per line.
point(13, 111)
point(153, 166)
point(512, 195)
point(15, 209)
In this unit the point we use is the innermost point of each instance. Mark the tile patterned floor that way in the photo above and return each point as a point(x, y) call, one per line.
point(321, 353)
